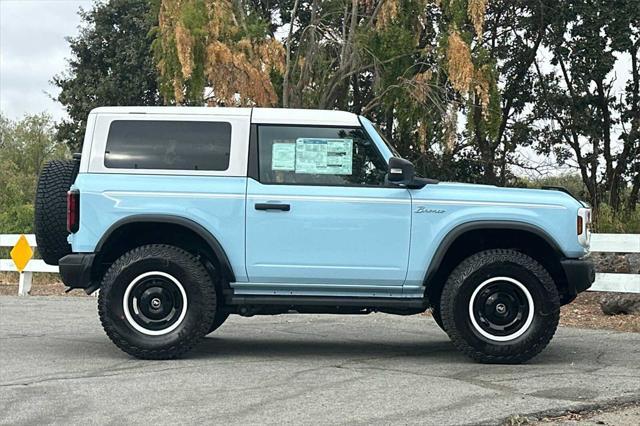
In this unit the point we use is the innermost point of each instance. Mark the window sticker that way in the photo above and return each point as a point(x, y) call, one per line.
point(324, 156)
point(283, 156)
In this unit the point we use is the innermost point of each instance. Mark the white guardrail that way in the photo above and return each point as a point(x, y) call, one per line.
point(600, 243)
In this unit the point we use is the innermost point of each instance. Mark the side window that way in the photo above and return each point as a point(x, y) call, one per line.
point(168, 145)
point(318, 156)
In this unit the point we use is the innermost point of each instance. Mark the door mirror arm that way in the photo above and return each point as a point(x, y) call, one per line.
point(402, 173)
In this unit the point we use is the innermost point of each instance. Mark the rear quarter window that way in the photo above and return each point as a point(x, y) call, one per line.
point(168, 145)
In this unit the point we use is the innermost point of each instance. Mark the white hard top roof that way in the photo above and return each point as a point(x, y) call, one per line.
point(258, 115)
point(304, 116)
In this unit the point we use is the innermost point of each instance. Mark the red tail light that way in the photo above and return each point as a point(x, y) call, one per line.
point(580, 225)
point(73, 211)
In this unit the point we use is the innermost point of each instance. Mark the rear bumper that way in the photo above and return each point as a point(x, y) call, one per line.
point(580, 273)
point(75, 270)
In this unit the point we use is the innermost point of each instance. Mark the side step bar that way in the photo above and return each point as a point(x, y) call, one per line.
point(361, 302)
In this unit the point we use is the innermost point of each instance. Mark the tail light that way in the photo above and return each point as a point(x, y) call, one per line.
point(580, 227)
point(73, 210)
point(583, 227)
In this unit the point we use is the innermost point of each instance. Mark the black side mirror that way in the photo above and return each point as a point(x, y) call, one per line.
point(401, 171)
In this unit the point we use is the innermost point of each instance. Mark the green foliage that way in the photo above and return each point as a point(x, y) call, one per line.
point(606, 219)
point(218, 47)
point(24, 148)
point(582, 115)
point(111, 64)
point(623, 222)
point(570, 181)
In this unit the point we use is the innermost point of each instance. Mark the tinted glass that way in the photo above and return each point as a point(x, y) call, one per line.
point(319, 156)
point(168, 145)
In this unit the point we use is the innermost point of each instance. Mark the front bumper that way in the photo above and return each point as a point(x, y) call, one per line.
point(75, 270)
point(580, 273)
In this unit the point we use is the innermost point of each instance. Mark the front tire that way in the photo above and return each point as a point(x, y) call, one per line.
point(500, 306)
point(218, 320)
point(157, 302)
point(437, 317)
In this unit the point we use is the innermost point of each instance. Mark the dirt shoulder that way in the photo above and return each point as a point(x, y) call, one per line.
point(616, 415)
point(42, 285)
point(585, 312)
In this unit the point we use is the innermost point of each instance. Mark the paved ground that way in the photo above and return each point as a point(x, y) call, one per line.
point(57, 366)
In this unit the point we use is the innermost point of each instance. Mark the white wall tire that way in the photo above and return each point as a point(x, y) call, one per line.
point(174, 323)
point(478, 285)
point(128, 300)
point(522, 329)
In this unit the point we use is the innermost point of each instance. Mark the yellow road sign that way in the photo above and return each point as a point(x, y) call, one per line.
point(21, 253)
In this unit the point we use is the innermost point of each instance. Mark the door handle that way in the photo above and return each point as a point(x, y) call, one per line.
point(273, 206)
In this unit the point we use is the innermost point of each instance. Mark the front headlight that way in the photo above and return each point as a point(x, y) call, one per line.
point(583, 227)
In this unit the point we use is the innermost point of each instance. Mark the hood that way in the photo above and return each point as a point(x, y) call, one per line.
point(489, 193)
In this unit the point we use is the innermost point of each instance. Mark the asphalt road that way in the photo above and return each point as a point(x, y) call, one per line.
point(57, 366)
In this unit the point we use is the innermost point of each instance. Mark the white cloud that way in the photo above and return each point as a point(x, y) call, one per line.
point(32, 50)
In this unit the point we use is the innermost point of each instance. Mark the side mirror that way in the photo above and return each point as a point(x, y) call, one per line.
point(401, 171)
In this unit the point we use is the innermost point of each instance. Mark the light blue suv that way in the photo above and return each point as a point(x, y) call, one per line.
point(183, 216)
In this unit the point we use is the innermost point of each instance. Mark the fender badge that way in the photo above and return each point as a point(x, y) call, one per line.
point(423, 209)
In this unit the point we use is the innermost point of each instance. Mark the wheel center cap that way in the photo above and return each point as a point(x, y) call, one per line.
point(155, 303)
point(501, 308)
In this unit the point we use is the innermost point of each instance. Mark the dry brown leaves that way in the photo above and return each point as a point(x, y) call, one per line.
point(482, 86)
point(459, 64)
point(476, 10)
point(238, 71)
point(388, 12)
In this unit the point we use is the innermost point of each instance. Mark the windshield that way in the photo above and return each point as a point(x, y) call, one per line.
point(375, 133)
point(386, 142)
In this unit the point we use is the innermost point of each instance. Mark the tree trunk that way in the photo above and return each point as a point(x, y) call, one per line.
point(285, 83)
point(487, 153)
point(632, 202)
point(634, 132)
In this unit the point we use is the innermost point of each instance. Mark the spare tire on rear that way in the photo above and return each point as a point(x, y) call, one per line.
point(51, 209)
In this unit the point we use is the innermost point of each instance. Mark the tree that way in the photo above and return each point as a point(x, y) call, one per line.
point(584, 119)
point(111, 64)
point(24, 148)
point(488, 50)
point(415, 67)
point(370, 57)
point(222, 46)
point(460, 86)
point(377, 57)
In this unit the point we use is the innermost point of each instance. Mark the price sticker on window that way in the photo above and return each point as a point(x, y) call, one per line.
point(324, 156)
point(283, 156)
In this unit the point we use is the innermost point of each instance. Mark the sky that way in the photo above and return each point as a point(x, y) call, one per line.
point(32, 50)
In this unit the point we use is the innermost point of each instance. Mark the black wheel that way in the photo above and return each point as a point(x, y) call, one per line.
point(437, 317)
point(500, 306)
point(157, 302)
point(218, 320)
point(50, 219)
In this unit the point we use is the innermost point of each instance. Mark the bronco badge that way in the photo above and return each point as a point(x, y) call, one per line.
point(423, 209)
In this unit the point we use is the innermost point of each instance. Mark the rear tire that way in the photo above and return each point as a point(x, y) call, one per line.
point(500, 306)
point(50, 220)
point(157, 302)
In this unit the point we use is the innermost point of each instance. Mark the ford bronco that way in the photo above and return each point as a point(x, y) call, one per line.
point(181, 216)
